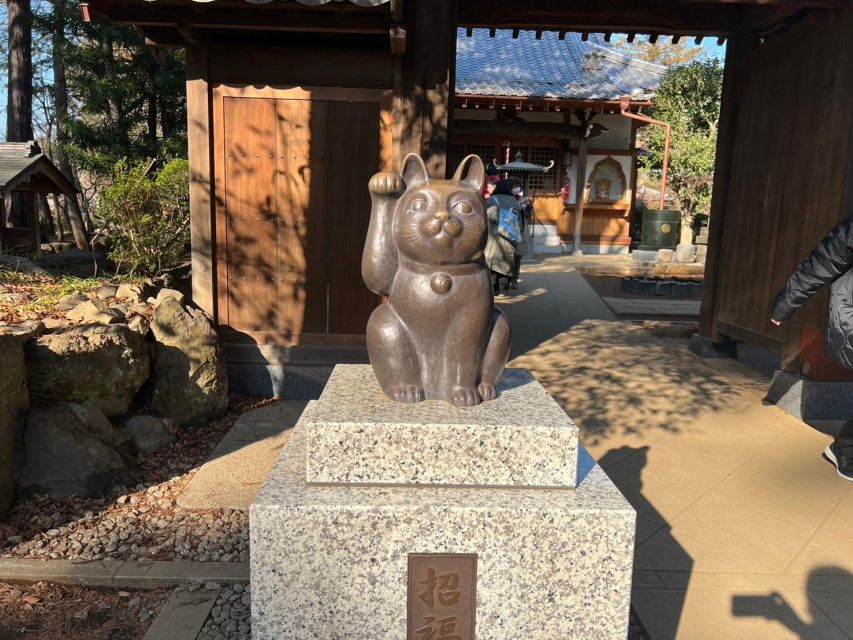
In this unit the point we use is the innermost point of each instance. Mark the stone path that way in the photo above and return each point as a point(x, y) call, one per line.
point(552, 297)
point(743, 530)
point(242, 460)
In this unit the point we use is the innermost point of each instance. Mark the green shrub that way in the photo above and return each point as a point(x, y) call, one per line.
point(147, 217)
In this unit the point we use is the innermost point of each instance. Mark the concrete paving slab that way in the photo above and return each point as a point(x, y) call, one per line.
point(653, 307)
point(733, 496)
point(241, 462)
point(183, 615)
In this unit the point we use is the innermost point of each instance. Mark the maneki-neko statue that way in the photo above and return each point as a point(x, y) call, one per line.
point(439, 336)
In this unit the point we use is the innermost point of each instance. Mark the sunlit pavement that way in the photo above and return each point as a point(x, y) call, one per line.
point(744, 531)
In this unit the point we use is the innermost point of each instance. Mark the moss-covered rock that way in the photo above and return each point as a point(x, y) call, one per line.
point(188, 380)
point(72, 449)
point(97, 364)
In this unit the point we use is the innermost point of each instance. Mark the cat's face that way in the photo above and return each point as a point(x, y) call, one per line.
point(440, 222)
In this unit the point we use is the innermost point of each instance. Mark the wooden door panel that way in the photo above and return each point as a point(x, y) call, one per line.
point(250, 212)
point(294, 214)
point(353, 157)
point(293, 193)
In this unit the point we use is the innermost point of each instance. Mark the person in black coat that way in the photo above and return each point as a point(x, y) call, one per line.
point(830, 263)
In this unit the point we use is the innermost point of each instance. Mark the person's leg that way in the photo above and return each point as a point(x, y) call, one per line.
point(840, 452)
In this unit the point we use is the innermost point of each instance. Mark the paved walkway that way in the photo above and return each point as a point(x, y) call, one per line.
point(744, 532)
point(552, 297)
point(242, 461)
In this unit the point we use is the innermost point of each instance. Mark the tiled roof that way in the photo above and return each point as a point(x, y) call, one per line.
point(549, 67)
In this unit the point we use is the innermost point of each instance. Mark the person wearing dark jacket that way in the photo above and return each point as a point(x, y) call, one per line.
point(830, 263)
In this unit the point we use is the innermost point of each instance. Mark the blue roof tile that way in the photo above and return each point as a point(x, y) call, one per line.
point(549, 67)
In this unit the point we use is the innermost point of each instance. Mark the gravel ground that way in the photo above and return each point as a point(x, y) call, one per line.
point(230, 618)
point(143, 522)
point(44, 611)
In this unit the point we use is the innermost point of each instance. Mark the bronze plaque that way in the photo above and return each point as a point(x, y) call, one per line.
point(442, 596)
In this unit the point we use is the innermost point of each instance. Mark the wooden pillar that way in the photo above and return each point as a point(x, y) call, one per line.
point(200, 134)
point(739, 52)
point(3, 209)
point(425, 83)
point(35, 221)
point(581, 191)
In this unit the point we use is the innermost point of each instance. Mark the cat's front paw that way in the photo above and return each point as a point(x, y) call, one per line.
point(387, 183)
point(487, 391)
point(406, 393)
point(466, 397)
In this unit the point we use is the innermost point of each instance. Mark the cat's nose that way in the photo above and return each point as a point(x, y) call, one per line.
point(444, 216)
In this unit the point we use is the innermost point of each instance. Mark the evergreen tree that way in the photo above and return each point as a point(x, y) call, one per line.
point(689, 99)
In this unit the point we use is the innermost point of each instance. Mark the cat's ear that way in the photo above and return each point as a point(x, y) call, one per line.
point(414, 170)
point(471, 172)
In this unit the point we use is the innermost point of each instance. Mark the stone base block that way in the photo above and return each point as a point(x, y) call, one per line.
point(330, 562)
point(707, 348)
point(357, 435)
point(809, 400)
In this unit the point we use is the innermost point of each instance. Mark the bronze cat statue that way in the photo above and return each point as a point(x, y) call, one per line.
point(439, 336)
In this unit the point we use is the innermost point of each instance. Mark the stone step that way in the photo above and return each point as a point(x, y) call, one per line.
point(549, 249)
point(521, 439)
point(546, 230)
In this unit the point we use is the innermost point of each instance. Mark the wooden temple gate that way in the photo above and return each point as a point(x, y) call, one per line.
point(294, 104)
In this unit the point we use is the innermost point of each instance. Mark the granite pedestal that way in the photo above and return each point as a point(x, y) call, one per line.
point(329, 556)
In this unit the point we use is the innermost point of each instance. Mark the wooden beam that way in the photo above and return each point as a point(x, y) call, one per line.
point(200, 136)
point(514, 34)
point(424, 87)
point(397, 37)
point(519, 128)
point(585, 36)
point(631, 37)
point(561, 35)
point(273, 16)
point(653, 38)
point(608, 36)
point(676, 39)
point(469, 32)
point(705, 17)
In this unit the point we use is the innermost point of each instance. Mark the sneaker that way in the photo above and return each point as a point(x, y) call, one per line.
point(843, 464)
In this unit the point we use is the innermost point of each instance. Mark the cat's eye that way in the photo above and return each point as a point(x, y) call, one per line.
point(419, 206)
point(463, 207)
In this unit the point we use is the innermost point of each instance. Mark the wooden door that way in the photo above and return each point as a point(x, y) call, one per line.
point(294, 209)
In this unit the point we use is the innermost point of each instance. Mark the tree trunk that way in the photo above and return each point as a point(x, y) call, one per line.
point(59, 214)
point(152, 122)
point(60, 100)
point(48, 228)
point(19, 106)
point(110, 72)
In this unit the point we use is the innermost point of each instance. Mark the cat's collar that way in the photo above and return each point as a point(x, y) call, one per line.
point(449, 269)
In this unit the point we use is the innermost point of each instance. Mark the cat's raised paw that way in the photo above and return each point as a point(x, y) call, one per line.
point(387, 183)
point(406, 393)
point(466, 397)
point(487, 391)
